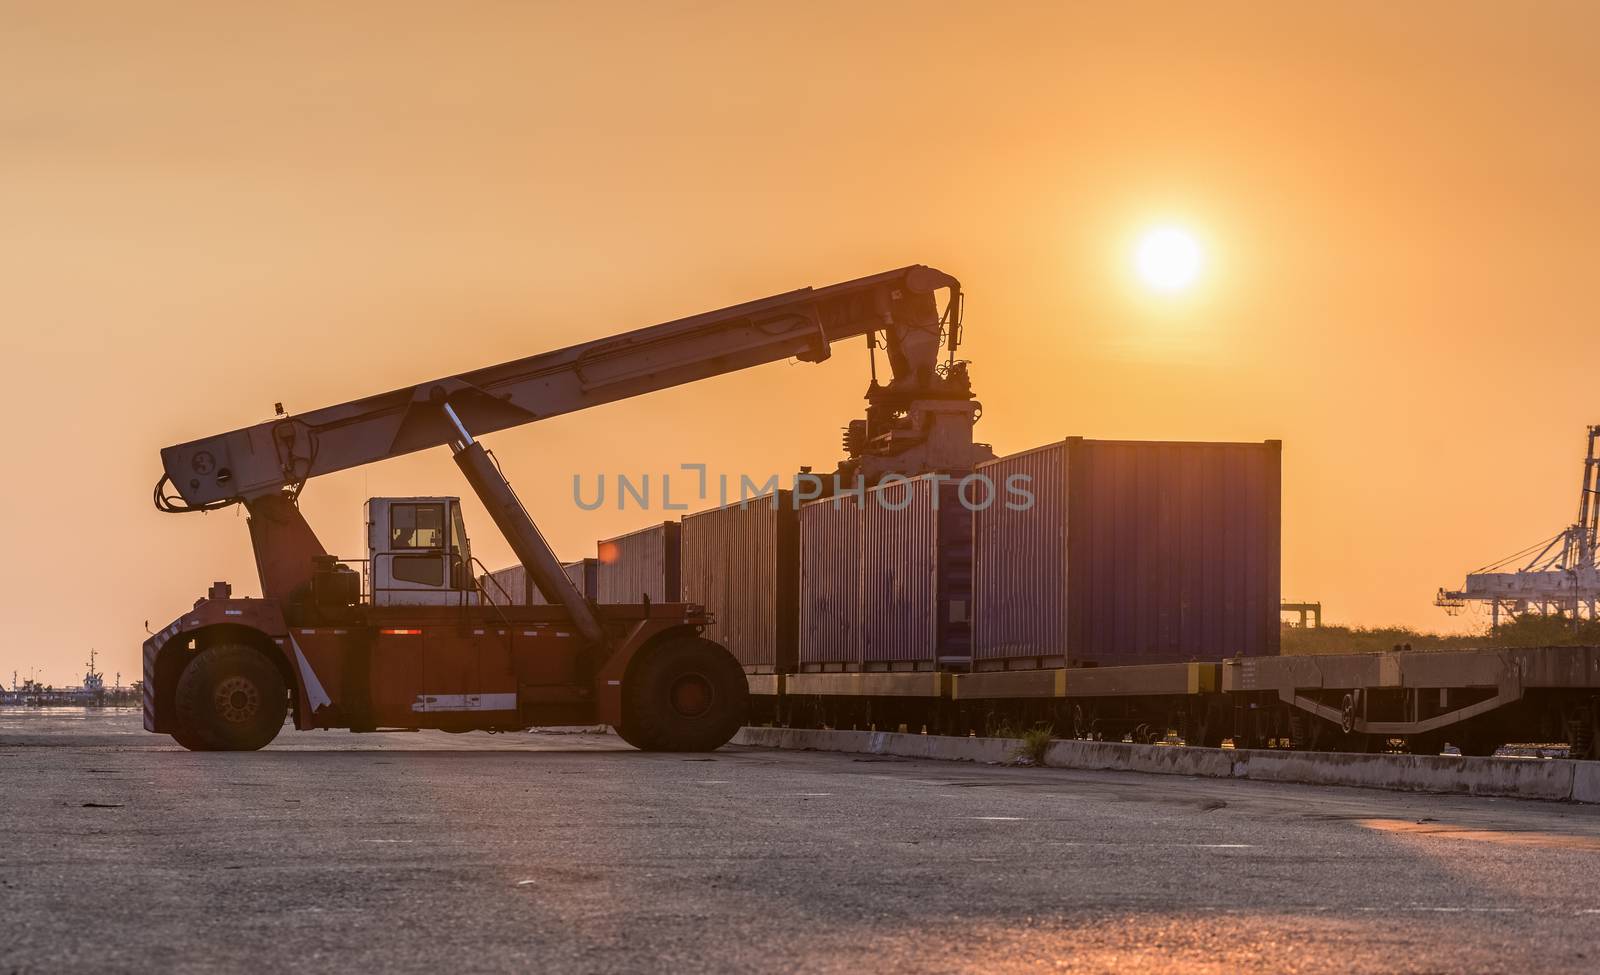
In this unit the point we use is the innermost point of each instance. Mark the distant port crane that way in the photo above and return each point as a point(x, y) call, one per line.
point(1557, 576)
point(1310, 613)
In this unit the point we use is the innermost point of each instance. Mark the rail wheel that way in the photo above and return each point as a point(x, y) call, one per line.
point(1581, 733)
point(688, 695)
point(1302, 732)
point(1205, 726)
point(230, 698)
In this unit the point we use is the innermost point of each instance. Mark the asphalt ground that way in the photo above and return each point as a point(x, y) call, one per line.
point(546, 852)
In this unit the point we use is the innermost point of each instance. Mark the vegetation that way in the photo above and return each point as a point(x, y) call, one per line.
point(1032, 745)
point(1529, 631)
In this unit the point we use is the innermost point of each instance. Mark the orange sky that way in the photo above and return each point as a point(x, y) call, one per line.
point(204, 211)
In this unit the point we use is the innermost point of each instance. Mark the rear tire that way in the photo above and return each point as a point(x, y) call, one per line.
point(687, 695)
point(230, 698)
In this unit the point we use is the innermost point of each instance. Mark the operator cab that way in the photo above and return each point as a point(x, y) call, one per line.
point(418, 553)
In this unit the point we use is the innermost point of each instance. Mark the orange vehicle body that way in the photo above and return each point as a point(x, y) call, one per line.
point(452, 668)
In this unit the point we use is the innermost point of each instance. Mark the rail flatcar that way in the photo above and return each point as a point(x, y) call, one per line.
point(1105, 589)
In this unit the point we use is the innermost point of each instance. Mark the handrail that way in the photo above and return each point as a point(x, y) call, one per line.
point(478, 581)
point(456, 560)
point(478, 584)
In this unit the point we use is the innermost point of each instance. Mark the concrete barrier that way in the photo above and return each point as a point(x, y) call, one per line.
point(1518, 778)
point(1586, 782)
point(1159, 759)
point(1522, 778)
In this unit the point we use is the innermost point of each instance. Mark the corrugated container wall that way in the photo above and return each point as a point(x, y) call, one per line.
point(638, 565)
point(916, 575)
point(830, 583)
point(508, 586)
point(513, 583)
point(1130, 552)
point(740, 561)
point(1019, 585)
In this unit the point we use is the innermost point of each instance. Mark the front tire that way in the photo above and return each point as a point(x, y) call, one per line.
point(190, 741)
point(687, 695)
point(230, 698)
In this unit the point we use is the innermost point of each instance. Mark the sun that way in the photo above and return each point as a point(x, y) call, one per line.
point(1168, 259)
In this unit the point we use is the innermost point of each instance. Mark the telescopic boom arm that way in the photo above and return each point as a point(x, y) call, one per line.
point(283, 453)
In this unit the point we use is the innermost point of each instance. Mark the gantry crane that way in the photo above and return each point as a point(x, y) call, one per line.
point(411, 640)
point(1555, 577)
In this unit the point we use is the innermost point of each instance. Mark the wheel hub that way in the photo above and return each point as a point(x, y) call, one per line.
point(691, 695)
point(237, 699)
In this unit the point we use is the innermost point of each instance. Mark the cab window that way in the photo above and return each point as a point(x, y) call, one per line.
point(416, 526)
point(458, 539)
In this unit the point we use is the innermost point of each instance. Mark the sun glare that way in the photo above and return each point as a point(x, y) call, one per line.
point(1168, 259)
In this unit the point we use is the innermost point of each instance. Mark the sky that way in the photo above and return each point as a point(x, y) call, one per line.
point(209, 208)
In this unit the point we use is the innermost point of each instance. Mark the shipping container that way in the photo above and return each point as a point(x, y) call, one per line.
point(886, 578)
point(741, 562)
point(514, 585)
point(1103, 552)
point(639, 566)
point(830, 584)
point(916, 576)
